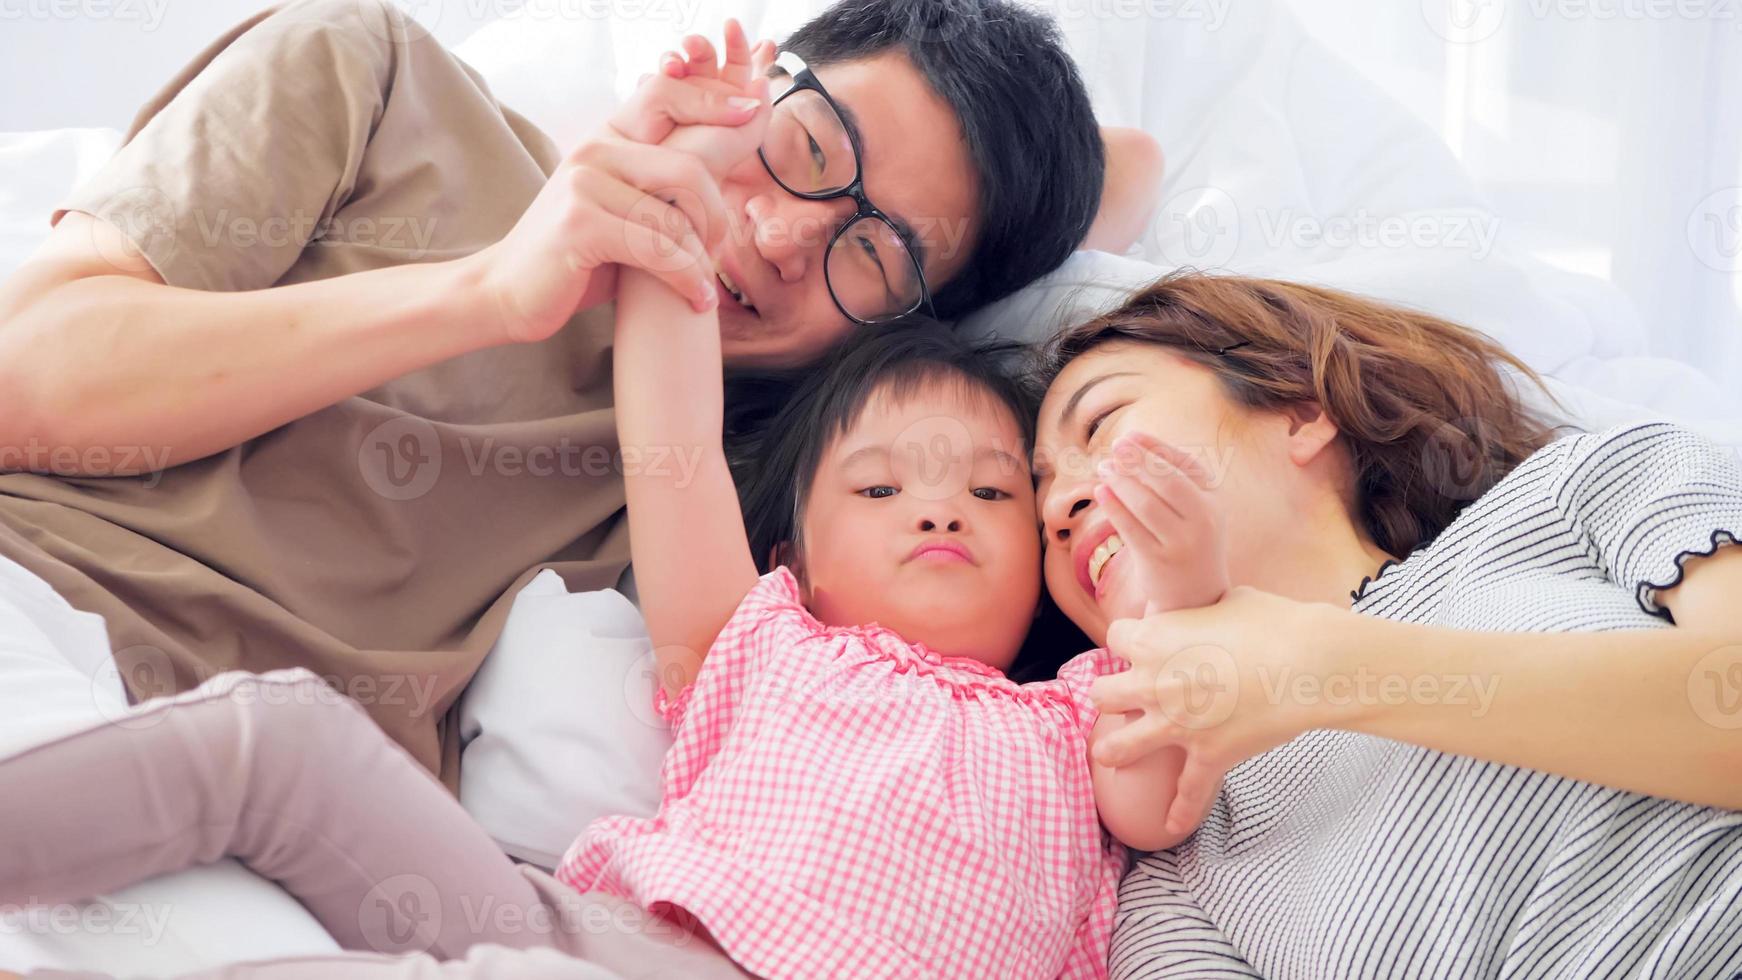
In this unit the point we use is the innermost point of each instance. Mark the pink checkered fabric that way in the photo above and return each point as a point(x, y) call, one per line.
point(841, 803)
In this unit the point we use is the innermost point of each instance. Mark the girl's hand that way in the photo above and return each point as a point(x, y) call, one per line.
point(1159, 500)
point(741, 74)
point(1225, 682)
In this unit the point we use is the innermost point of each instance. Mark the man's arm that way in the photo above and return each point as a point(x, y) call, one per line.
point(1131, 191)
point(96, 351)
point(100, 353)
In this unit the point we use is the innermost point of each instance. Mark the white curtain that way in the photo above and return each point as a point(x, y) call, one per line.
point(1606, 134)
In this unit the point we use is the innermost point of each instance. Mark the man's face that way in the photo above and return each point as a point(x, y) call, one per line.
point(916, 169)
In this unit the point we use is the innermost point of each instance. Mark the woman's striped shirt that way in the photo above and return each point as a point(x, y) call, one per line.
point(1345, 855)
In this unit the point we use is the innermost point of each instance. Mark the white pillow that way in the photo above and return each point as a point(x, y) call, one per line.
point(558, 724)
point(1086, 285)
point(566, 68)
point(556, 71)
point(1590, 392)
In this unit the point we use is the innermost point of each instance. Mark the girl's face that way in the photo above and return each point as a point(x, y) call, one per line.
point(921, 519)
point(1122, 387)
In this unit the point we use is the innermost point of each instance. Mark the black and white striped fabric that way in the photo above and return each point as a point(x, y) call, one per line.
point(1343, 855)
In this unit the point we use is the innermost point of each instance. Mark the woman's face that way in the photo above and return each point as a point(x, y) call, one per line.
point(1127, 386)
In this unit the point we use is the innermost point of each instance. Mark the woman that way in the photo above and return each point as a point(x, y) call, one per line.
point(1464, 711)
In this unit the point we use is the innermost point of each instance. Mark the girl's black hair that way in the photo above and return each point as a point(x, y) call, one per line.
point(778, 425)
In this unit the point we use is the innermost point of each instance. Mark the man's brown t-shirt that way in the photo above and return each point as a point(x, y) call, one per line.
point(379, 541)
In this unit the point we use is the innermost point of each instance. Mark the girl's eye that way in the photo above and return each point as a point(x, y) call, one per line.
point(991, 493)
point(878, 492)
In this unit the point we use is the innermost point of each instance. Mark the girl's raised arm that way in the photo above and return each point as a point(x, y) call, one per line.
point(686, 534)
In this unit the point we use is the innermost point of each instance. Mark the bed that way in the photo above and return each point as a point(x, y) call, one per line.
point(1281, 161)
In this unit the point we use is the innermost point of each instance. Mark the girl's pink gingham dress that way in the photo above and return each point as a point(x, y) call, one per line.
point(839, 802)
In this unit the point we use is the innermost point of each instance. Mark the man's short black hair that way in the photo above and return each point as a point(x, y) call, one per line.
point(1025, 114)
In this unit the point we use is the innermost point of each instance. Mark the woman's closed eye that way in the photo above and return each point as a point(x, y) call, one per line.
point(1095, 421)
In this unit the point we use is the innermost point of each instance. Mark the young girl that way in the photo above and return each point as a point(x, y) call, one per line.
point(855, 788)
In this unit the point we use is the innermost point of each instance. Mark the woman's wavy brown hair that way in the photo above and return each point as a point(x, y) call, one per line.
point(1430, 420)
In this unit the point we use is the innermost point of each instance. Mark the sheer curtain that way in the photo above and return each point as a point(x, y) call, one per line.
point(1607, 134)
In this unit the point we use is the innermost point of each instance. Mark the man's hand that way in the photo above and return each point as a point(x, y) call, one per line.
point(607, 203)
point(616, 200)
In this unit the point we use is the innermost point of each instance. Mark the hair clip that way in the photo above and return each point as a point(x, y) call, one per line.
point(1225, 350)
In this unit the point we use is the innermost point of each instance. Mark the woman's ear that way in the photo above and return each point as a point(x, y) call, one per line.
point(1310, 430)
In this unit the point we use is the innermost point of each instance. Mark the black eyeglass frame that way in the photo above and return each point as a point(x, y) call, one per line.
point(804, 79)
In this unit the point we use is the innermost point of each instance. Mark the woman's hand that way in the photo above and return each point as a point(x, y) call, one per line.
point(1172, 531)
point(1225, 682)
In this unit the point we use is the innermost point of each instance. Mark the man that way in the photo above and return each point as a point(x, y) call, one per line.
point(316, 371)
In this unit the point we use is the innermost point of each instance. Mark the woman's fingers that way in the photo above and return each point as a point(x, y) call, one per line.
point(627, 225)
point(1193, 794)
point(1133, 530)
point(1135, 739)
point(1126, 496)
point(1186, 462)
point(1128, 690)
point(688, 274)
point(1181, 492)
